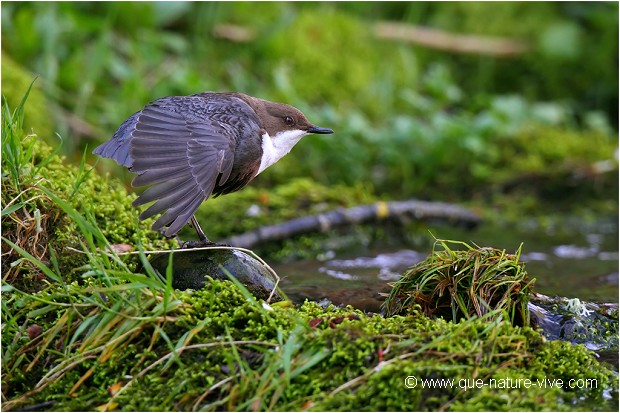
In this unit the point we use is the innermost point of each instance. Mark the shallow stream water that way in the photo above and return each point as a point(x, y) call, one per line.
point(575, 259)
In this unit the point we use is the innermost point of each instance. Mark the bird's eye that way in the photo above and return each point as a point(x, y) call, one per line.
point(289, 120)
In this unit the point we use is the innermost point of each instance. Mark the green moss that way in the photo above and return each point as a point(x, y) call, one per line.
point(288, 358)
point(510, 396)
point(227, 311)
point(105, 201)
point(574, 365)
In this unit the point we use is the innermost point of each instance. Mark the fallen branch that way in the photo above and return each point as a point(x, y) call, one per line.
point(452, 42)
point(423, 36)
point(234, 33)
point(403, 210)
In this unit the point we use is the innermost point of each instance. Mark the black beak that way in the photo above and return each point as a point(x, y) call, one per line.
point(318, 129)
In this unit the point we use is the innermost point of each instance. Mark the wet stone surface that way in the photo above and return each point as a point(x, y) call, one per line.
point(592, 324)
point(191, 267)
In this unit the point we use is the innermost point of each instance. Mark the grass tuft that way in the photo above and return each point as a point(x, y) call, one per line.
point(456, 284)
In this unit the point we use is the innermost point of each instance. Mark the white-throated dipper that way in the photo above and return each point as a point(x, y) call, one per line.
point(188, 148)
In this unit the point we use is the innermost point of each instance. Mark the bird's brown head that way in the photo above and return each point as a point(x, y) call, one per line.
point(280, 117)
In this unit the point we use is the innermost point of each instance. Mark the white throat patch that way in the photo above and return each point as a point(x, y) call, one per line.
point(275, 148)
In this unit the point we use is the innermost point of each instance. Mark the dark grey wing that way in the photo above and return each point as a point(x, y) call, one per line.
point(183, 158)
point(118, 146)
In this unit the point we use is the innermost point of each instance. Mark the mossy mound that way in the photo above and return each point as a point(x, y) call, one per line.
point(34, 174)
point(217, 349)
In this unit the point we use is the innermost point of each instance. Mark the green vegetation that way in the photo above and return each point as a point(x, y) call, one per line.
point(117, 339)
point(87, 328)
point(410, 120)
point(120, 348)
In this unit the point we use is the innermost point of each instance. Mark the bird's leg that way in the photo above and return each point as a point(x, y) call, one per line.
point(199, 231)
point(203, 242)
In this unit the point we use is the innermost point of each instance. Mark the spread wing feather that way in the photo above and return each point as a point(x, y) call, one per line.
point(178, 216)
point(183, 149)
point(117, 148)
point(163, 190)
point(155, 176)
point(184, 159)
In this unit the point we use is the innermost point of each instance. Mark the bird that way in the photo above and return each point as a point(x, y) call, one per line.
point(189, 148)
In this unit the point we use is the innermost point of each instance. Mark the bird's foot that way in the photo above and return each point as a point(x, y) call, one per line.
point(201, 244)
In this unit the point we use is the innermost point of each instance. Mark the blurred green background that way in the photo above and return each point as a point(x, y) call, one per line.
point(411, 120)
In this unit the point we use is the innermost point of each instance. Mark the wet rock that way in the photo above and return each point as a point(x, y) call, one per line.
point(592, 324)
point(191, 267)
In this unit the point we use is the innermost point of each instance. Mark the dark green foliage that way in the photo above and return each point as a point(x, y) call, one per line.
point(409, 120)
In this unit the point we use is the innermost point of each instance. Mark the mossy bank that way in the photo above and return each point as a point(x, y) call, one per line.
point(217, 349)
